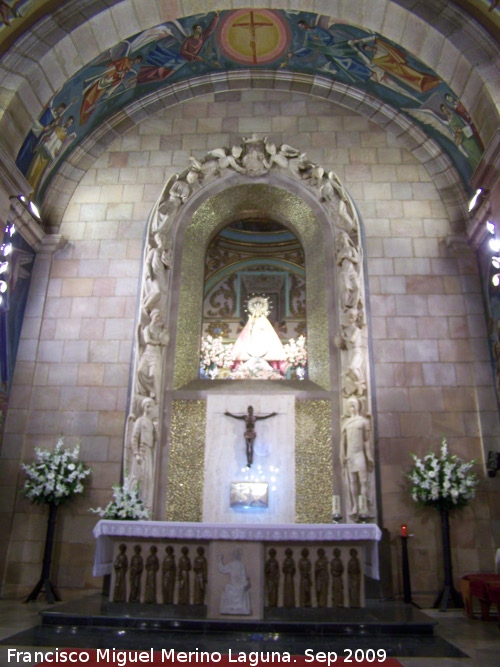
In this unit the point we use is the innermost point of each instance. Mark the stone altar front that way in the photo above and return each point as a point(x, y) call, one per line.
point(243, 549)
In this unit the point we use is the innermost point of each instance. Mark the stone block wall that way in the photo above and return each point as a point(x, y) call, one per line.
point(431, 374)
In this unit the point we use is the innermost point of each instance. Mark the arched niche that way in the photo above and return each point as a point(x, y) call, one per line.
point(277, 202)
point(282, 184)
point(253, 256)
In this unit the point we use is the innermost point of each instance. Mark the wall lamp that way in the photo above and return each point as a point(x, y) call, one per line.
point(477, 199)
point(31, 207)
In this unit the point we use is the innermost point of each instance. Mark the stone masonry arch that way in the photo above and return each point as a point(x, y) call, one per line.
point(261, 177)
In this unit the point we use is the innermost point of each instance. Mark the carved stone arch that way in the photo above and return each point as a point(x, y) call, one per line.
point(282, 183)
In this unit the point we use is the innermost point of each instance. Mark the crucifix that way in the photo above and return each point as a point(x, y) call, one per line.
point(250, 418)
point(252, 26)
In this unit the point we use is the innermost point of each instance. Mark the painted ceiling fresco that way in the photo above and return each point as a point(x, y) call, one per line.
point(243, 39)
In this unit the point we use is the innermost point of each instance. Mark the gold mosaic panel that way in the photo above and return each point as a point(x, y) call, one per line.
point(220, 210)
point(313, 462)
point(186, 461)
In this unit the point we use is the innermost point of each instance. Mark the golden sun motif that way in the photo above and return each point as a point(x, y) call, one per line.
point(254, 37)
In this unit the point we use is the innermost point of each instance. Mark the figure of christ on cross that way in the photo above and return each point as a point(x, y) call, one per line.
point(252, 25)
point(250, 434)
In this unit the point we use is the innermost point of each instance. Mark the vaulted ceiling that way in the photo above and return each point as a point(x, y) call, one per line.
point(75, 75)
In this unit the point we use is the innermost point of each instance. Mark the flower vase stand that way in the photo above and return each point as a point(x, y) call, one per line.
point(44, 582)
point(449, 594)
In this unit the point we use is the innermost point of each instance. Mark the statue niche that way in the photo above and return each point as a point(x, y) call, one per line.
point(256, 266)
point(253, 255)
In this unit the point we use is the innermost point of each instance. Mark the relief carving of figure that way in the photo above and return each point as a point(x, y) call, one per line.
point(289, 569)
point(356, 457)
point(152, 567)
point(158, 263)
point(272, 578)
point(350, 339)
point(235, 598)
point(120, 567)
point(200, 570)
point(149, 370)
point(354, 579)
point(144, 438)
point(136, 568)
point(348, 261)
point(305, 580)
point(337, 570)
point(183, 576)
point(169, 570)
point(321, 578)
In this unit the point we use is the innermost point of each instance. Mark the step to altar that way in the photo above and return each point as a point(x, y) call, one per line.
point(377, 618)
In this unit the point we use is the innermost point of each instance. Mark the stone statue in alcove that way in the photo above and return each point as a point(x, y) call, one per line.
point(144, 439)
point(272, 578)
point(305, 580)
point(235, 598)
point(169, 569)
point(356, 457)
point(135, 573)
point(337, 572)
point(120, 567)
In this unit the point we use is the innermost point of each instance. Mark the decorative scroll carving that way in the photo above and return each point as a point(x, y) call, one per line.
point(254, 157)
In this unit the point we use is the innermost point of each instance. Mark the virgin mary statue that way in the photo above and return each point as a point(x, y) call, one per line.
point(258, 341)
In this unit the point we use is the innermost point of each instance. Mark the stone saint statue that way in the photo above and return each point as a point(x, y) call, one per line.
point(288, 568)
point(183, 576)
point(337, 570)
point(305, 583)
point(136, 568)
point(250, 434)
point(354, 579)
point(356, 457)
point(272, 578)
point(152, 567)
point(120, 566)
point(149, 370)
point(200, 570)
point(321, 578)
point(169, 569)
point(235, 598)
point(144, 437)
point(158, 263)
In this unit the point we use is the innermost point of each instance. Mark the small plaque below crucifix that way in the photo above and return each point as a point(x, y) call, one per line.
point(249, 494)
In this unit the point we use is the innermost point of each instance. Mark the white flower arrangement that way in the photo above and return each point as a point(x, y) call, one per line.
point(296, 352)
point(126, 504)
point(445, 482)
point(215, 355)
point(56, 475)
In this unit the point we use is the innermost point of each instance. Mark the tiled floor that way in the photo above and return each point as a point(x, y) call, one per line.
point(479, 640)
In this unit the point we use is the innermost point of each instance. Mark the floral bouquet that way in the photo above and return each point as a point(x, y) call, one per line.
point(296, 352)
point(56, 475)
point(445, 482)
point(214, 356)
point(126, 504)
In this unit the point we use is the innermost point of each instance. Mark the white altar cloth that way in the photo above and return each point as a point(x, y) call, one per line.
point(106, 532)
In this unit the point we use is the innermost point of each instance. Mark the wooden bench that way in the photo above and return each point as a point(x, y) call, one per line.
point(484, 587)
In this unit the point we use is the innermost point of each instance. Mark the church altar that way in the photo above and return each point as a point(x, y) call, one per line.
point(251, 545)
